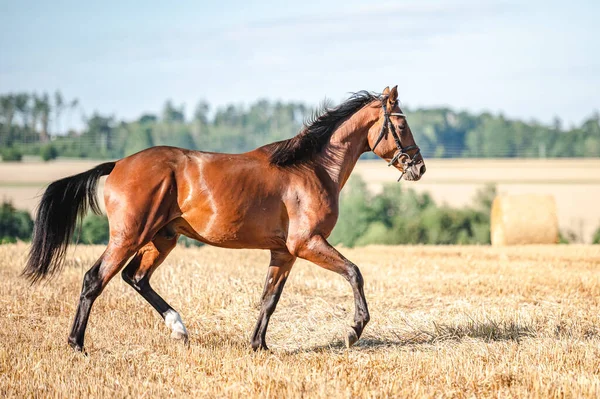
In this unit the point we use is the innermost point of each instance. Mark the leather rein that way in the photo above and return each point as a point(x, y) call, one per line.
point(402, 151)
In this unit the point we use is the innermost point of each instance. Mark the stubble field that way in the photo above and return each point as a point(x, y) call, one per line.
point(445, 322)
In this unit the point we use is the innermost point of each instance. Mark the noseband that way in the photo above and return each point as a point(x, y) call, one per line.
point(401, 150)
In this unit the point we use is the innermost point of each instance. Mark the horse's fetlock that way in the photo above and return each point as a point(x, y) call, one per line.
point(128, 278)
point(366, 319)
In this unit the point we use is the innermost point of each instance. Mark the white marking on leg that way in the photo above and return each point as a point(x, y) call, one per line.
point(174, 322)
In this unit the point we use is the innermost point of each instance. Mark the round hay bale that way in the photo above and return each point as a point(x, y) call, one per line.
point(524, 219)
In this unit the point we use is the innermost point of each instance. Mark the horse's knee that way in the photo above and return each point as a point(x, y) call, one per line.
point(92, 284)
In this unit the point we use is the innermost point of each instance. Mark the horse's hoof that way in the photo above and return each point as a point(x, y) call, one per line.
point(351, 338)
point(78, 349)
point(180, 336)
point(75, 346)
point(256, 346)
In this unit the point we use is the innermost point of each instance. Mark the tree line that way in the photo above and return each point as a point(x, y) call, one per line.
point(28, 115)
point(32, 124)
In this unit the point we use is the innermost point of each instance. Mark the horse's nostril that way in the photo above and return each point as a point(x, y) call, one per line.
point(422, 169)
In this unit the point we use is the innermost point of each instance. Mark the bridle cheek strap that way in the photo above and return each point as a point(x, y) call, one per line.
point(402, 151)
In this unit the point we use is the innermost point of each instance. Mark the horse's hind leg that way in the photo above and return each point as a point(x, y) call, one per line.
point(94, 282)
point(138, 272)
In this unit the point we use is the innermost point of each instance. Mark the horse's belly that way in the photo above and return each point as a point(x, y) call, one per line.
point(254, 229)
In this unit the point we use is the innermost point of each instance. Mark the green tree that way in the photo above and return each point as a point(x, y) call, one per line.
point(48, 152)
point(100, 130)
point(21, 101)
point(596, 236)
point(11, 154)
point(44, 109)
point(591, 132)
point(376, 233)
point(491, 138)
point(440, 132)
point(147, 119)
point(355, 214)
point(35, 112)
point(59, 106)
point(201, 113)
point(94, 229)
point(14, 224)
point(138, 139)
point(399, 216)
point(7, 106)
point(172, 114)
point(71, 107)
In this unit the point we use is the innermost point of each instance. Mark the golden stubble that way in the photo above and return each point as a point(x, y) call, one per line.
point(445, 322)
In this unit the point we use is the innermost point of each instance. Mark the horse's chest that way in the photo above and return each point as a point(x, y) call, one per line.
point(313, 213)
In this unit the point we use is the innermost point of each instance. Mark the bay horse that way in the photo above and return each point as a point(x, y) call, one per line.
point(283, 197)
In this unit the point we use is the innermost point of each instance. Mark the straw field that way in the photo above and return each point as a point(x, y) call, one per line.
point(445, 322)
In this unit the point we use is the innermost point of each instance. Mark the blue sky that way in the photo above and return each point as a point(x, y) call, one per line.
point(527, 59)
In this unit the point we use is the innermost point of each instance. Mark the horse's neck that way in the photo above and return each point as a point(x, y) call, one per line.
point(346, 145)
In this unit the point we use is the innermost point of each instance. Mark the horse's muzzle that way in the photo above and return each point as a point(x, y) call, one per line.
point(415, 172)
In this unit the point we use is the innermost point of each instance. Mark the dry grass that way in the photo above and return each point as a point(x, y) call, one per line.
point(446, 322)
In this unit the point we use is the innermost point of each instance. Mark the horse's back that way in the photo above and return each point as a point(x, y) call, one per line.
point(230, 200)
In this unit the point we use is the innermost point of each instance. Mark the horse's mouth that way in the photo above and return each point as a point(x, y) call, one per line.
point(410, 176)
point(415, 172)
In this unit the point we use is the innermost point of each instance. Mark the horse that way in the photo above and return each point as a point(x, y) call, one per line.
point(282, 197)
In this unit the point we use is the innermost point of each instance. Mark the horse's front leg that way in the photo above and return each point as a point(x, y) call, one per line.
point(279, 270)
point(317, 250)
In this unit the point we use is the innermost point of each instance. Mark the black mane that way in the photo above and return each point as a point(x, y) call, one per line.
point(317, 131)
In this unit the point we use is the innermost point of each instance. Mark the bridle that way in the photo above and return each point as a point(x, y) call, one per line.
point(410, 161)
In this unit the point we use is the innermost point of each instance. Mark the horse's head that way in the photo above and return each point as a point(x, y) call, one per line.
point(391, 138)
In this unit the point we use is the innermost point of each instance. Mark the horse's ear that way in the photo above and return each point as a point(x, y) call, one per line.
point(393, 97)
point(386, 91)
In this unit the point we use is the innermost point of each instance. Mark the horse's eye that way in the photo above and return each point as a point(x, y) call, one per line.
point(401, 126)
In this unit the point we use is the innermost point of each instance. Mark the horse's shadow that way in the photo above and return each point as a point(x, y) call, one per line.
point(487, 331)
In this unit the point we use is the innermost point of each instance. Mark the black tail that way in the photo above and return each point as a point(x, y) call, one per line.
point(63, 202)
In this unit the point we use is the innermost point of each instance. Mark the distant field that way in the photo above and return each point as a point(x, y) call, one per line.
point(575, 183)
point(445, 322)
